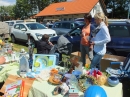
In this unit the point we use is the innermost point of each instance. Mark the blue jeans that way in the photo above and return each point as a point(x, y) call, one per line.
point(85, 50)
point(57, 58)
point(96, 61)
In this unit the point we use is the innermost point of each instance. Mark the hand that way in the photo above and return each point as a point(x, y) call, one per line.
point(50, 43)
point(91, 47)
point(83, 34)
point(92, 43)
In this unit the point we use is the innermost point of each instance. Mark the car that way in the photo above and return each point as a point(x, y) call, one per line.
point(12, 22)
point(36, 30)
point(120, 38)
point(64, 27)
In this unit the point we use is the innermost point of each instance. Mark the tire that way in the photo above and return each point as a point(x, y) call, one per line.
point(110, 52)
point(13, 38)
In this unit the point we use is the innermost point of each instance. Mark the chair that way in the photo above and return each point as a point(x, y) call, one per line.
point(123, 71)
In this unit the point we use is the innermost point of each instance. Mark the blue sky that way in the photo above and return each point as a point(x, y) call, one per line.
point(7, 2)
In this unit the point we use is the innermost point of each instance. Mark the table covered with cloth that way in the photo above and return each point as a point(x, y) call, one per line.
point(44, 89)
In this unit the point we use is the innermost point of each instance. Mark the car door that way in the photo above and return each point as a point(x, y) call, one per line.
point(16, 30)
point(57, 28)
point(120, 38)
point(74, 37)
point(65, 28)
point(22, 32)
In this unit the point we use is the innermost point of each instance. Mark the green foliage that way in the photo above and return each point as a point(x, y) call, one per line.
point(6, 11)
point(119, 8)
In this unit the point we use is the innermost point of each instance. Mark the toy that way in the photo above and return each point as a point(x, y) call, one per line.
point(24, 65)
point(95, 91)
point(15, 89)
point(77, 73)
point(101, 80)
point(113, 81)
point(53, 71)
point(63, 89)
point(76, 64)
point(73, 92)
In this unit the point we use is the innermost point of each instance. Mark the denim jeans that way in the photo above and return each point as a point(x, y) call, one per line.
point(96, 61)
point(57, 58)
point(85, 50)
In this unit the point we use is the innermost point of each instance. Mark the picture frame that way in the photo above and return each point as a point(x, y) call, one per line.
point(43, 61)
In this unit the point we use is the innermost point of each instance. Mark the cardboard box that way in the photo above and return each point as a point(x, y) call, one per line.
point(105, 62)
point(79, 55)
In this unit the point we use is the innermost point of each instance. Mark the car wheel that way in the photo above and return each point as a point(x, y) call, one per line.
point(110, 52)
point(13, 39)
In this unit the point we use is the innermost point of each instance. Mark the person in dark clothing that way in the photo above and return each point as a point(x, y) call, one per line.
point(44, 46)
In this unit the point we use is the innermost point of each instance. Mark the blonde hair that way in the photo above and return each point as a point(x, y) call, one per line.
point(100, 15)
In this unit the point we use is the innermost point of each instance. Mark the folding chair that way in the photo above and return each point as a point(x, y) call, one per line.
point(123, 71)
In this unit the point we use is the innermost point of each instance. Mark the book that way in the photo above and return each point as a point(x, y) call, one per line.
point(15, 89)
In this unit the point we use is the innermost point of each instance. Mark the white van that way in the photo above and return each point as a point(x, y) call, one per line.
point(12, 22)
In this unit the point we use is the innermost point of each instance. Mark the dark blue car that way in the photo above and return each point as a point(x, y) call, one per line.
point(120, 38)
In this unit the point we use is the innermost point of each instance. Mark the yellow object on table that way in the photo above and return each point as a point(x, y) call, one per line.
point(44, 89)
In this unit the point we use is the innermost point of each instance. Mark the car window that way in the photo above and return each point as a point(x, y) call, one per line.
point(76, 32)
point(10, 23)
point(73, 25)
point(57, 25)
point(119, 30)
point(17, 26)
point(35, 26)
point(65, 25)
point(22, 26)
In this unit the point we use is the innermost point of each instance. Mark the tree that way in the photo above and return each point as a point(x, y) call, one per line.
point(6, 12)
point(119, 8)
point(56, 1)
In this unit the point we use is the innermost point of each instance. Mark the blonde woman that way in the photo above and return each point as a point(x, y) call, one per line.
point(100, 38)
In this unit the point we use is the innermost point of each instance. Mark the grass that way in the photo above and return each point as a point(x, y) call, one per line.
point(19, 45)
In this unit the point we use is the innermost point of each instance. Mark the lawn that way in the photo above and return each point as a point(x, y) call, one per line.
point(19, 45)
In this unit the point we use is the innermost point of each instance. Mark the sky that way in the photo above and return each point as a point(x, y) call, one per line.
point(7, 2)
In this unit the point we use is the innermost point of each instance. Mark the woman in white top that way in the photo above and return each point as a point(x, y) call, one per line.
point(100, 39)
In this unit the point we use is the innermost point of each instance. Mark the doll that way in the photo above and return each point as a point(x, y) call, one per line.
point(76, 65)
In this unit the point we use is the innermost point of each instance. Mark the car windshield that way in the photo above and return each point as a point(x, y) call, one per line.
point(10, 23)
point(35, 26)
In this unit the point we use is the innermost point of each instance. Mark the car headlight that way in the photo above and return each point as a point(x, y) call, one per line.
point(39, 36)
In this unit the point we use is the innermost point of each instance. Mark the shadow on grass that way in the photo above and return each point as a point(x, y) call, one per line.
point(19, 43)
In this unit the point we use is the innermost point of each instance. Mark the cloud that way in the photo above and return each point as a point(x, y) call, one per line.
point(7, 2)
